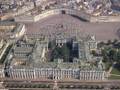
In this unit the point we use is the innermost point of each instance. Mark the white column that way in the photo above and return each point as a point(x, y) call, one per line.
point(34, 74)
point(27, 74)
point(22, 73)
point(90, 77)
point(11, 73)
point(15, 73)
point(83, 75)
point(80, 75)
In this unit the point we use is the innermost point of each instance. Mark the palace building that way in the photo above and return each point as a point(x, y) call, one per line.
point(43, 59)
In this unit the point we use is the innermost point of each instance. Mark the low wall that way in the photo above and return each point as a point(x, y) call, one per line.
point(105, 19)
point(24, 19)
point(46, 14)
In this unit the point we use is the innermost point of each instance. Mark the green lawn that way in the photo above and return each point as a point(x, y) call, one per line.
point(115, 71)
point(107, 65)
point(114, 77)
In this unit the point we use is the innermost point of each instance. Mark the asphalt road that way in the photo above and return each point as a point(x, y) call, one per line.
point(66, 85)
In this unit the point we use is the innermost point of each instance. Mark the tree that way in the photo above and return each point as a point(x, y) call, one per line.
point(117, 45)
point(65, 53)
point(115, 41)
point(105, 56)
point(51, 45)
point(101, 44)
point(109, 42)
point(118, 56)
point(112, 54)
point(61, 52)
point(93, 52)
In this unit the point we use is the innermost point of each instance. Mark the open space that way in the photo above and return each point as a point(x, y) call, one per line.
point(103, 31)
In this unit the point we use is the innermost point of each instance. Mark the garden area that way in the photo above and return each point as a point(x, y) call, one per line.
point(64, 52)
point(110, 51)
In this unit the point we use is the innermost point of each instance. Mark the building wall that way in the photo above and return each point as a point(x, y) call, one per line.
point(24, 19)
point(47, 13)
point(1, 43)
point(7, 27)
point(59, 74)
point(19, 32)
